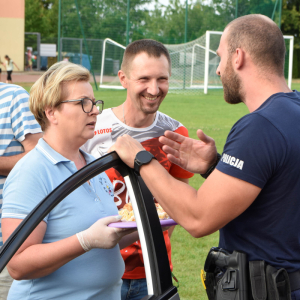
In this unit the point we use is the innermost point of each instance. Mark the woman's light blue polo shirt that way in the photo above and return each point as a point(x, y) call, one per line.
point(93, 275)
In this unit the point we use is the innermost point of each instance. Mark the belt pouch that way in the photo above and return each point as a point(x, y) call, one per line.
point(278, 284)
point(228, 286)
point(258, 279)
point(294, 278)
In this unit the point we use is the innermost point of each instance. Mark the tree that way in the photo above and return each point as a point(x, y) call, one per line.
point(290, 25)
point(101, 18)
point(41, 16)
point(290, 22)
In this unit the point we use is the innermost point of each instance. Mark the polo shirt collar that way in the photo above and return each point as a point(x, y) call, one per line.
point(54, 157)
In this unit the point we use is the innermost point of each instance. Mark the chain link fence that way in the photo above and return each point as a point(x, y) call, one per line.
point(179, 24)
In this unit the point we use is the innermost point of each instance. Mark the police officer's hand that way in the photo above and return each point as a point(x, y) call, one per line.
point(127, 148)
point(192, 155)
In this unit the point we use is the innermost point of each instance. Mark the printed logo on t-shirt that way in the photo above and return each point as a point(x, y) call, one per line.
point(232, 161)
point(106, 184)
point(102, 131)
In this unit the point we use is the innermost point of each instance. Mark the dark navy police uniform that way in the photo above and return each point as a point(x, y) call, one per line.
point(263, 148)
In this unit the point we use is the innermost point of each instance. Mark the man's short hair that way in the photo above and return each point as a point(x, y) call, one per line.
point(151, 47)
point(48, 91)
point(261, 38)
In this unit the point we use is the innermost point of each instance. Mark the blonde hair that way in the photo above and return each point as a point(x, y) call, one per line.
point(47, 92)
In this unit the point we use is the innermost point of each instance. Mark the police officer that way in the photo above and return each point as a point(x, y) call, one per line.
point(252, 191)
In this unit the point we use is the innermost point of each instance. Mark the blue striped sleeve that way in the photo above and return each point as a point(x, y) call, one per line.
point(22, 119)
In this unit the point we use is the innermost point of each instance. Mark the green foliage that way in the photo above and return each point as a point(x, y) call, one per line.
point(166, 23)
point(41, 16)
point(100, 18)
point(290, 25)
point(107, 18)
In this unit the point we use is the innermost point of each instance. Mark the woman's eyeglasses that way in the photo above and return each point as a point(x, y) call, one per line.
point(88, 104)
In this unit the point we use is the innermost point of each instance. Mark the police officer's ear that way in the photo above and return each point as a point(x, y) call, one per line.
point(239, 58)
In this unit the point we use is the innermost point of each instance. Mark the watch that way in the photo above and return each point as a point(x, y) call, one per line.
point(142, 158)
point(211, 168)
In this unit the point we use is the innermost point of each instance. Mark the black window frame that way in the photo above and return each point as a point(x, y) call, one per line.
point(158, 259)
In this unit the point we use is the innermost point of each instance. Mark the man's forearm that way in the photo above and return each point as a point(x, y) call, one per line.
point(177, 198)
point(128, 240)
point(8, 162)
point(170, 231)
point(219, 200)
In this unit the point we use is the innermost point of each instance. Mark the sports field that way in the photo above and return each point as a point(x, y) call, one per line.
point(215, 117)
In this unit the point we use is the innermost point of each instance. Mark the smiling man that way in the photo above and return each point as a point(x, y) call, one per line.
point(145, 73)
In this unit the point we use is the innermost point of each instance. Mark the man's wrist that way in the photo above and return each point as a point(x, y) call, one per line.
point(212, 167)
point(142, 158)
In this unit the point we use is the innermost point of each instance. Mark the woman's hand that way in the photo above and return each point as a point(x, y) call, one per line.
point(99, 235)
point(35, 259)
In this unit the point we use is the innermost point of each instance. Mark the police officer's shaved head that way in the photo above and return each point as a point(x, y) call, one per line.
point(261, 38)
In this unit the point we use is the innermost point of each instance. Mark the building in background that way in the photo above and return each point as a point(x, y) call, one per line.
point(12, 25)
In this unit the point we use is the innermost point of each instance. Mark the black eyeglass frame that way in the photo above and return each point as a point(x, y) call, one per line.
point(93, 102)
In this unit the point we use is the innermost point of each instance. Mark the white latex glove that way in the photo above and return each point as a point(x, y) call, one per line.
point(101, 236)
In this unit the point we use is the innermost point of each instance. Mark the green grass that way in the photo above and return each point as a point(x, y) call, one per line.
point(215, 117)
point(211, 114)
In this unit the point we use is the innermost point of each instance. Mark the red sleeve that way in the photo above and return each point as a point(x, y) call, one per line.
point(175, 170)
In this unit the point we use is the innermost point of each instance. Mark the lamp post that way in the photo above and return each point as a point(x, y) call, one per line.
point(127, 23)
point(185, 40)
point(280, 9)
point(58, 33)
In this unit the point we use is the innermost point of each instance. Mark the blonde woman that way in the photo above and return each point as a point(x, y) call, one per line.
point(72, 254)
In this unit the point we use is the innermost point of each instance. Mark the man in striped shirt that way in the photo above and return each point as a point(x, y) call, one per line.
point(19, 133)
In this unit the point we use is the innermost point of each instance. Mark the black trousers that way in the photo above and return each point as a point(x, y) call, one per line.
point(9, 75)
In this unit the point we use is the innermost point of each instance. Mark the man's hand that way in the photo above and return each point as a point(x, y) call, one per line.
point(191, 155)
point(127, 148)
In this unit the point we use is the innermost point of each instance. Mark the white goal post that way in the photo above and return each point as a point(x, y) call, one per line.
point(291, 53)
point(207, 45)
point(207, 49)
point(194, 64)
point(112, 86)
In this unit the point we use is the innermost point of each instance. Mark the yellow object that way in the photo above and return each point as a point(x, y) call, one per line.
point(203, 277)
point(127, 212)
